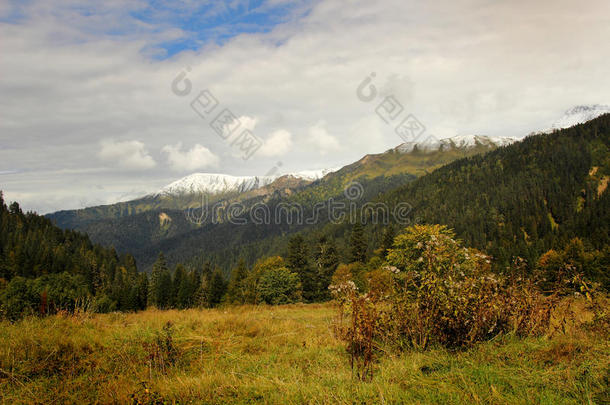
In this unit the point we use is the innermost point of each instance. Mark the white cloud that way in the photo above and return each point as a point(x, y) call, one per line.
point(321, 139)
point(126, 154)
point(65, 83)
point(198, 157)
point(278, 143)
point(248, 122)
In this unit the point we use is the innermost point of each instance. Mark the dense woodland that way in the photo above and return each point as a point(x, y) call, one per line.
point(539, 206)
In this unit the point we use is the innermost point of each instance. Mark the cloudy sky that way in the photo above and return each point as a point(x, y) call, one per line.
point(96, 98)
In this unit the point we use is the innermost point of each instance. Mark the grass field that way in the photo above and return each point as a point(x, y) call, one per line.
point(285, 354)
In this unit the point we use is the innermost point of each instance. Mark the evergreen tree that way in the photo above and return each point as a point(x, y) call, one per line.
point(327, 260)
point(142, 291)
point(236, 291)
point(160, 291)
point(358, 244)
point(387, 240)
point(177, 283)
point(164, 292)
point(297, 262)
point(202, 280)
point(185, 292)
point(217, 288)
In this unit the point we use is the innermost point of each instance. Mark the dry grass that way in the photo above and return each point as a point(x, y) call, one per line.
point(284, 354)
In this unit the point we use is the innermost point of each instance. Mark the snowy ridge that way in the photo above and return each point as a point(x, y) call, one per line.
point(459, 142)
point(313, 175)
point(216, 183)
point(578, 115)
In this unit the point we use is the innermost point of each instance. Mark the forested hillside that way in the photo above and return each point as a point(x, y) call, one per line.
point(546, 195)
point(44, 268)
point(518, 200)
point(150, 225)
point(525, 198)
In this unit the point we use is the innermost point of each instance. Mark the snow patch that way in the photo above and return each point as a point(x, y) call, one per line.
point(459, 141)
point(217, 183)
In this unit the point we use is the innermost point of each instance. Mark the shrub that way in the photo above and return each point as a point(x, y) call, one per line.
point(43, 295)
point(18, 299)
point(564, 271)
point(435, 291)
point(279, 286)
point(162, 353)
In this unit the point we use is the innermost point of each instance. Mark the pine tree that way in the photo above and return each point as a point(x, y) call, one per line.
point(142, 291)
point(327, 260)
point(185, 291)
point(203, 278)
point(297, 262)
point(236, 293)
point(217, 288)
point(357, 244)
point(160, 290)
point(179, 276)
point(387, 241)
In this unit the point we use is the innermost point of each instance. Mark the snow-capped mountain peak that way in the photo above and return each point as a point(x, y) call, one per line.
point(312, 175)
point(216, 183)
point(459, 141)
point(578, 115)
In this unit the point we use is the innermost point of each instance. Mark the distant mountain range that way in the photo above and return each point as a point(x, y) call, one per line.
point(215, 183)
point(157, 222)
point(223, 184)
point(410, 160)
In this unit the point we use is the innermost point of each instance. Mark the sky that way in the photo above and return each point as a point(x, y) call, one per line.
point(107, 101)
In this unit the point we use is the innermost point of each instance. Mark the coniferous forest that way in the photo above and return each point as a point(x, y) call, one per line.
point(539, 198)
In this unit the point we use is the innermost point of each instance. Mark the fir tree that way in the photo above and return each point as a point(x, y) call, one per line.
point(357, 244)
point(387, 240)
point(297, 262)
point(236, 293)
point(217, 288)
point(327, 260)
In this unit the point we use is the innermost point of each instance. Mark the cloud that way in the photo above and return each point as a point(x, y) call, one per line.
point(126, 154)
point(278, 143)
point(196, 158)
point(75, 72)
point(248, 122)
point(321, 139)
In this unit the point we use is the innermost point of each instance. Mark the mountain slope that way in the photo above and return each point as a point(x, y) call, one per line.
point(526, 198)
point(522, 199)
point(578, 115)
point(138, 226)
point(185, 193)
point(44, 268)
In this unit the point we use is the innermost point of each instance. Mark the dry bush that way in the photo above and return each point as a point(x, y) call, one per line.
point(436, 292)
point(162, 352)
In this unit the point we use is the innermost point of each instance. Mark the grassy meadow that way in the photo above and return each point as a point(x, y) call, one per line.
point(284, 354)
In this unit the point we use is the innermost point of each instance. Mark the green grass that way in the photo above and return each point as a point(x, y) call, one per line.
point(285, 354)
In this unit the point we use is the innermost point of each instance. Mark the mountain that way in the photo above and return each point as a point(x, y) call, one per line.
point(186, 193)
point(578, 115)
point(141, 226)
point(213, 184)
point(519, 200)
point(456, 142)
